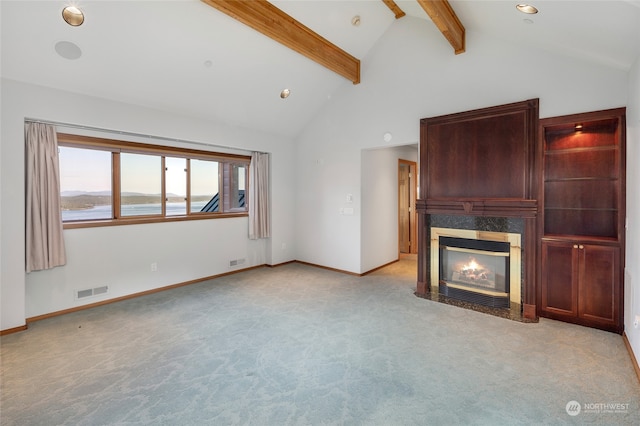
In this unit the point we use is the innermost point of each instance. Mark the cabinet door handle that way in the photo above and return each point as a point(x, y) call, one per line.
point(575, 246)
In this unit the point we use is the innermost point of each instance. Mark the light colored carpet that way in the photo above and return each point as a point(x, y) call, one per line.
point(298, 345)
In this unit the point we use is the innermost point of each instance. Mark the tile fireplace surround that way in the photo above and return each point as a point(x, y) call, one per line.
point(511, 225)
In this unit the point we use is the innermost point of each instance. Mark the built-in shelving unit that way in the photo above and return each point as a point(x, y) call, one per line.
point(582, 194)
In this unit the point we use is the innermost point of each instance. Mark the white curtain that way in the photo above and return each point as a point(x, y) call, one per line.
point(259, 216)
point(44, 239)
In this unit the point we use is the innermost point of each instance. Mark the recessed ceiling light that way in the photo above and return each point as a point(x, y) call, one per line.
point(285, 93)
point(527, 8)
point(73, 16)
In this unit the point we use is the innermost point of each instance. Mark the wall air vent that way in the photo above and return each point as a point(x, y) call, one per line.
point(100, 290)
point(89, 292)
point(236, 262)
point(81, 294)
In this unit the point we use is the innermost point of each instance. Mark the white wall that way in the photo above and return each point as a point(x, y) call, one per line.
point(121, 256)
point(411, 74)
point(632, 276)
point(380, 204)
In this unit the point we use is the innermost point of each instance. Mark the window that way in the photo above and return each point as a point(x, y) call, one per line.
point(82, 198)
point(109, 182)
point(176, 181)
point(204, 186)
point(140, 185)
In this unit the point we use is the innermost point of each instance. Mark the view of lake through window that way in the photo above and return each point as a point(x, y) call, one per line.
point(99, 183)
point(141, 184)
point(85, 198)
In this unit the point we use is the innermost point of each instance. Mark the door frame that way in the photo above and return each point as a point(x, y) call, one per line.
point(413, 217)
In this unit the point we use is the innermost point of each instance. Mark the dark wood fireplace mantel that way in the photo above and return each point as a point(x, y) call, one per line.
point(500, 207)
point(481, 163)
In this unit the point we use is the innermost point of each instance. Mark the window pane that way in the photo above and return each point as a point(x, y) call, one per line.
point(239, 173)
point(205, 196)
point(141, 184)
point(176, 181)
point(85, 184)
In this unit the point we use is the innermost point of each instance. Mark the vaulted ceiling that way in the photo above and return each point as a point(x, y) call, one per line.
point(188, 58)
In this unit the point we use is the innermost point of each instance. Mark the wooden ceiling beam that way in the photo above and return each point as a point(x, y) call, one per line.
point(445, 18)
point(394, 8)
point(264, 17)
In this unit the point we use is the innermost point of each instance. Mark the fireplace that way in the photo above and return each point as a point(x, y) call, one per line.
point(480, 166)
point(479, 267)
point(475, 271)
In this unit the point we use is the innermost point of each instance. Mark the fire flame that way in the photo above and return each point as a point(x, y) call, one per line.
point(472, 265)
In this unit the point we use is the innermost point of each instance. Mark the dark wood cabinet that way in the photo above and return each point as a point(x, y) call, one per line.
point(599, 291)
point(581, 223)
point(559, 279)
point(580, 283)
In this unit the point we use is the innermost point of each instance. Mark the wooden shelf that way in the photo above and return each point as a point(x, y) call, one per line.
point(582, 198)
point(586, 239)
point(579, 179)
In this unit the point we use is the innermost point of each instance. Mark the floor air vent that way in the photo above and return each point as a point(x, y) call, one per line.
point(81, 294)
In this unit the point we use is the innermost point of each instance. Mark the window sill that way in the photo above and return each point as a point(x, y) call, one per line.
point(143, 220)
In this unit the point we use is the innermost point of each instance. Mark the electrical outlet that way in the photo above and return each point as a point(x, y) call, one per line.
point(154, 267)
point(636, 322)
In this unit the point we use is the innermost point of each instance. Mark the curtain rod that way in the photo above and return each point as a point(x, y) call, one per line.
point(133, 134)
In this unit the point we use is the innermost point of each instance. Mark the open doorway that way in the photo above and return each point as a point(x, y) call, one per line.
point(380, 206)
point(407, 191)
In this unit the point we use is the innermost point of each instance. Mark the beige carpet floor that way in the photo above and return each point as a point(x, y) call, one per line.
point(300, 345)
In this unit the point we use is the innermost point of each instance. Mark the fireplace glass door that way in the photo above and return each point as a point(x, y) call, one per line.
point(475, 270)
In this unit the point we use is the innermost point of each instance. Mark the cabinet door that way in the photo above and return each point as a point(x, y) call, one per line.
point(599, 295)
point(559, 279)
